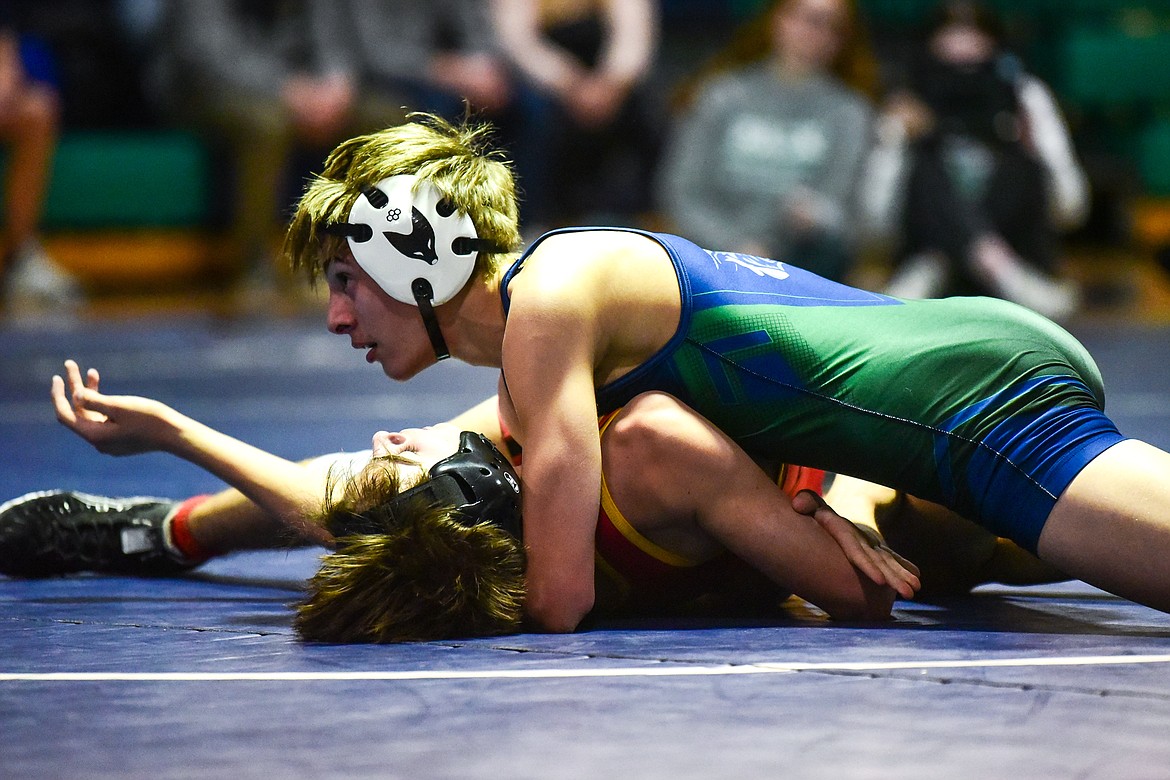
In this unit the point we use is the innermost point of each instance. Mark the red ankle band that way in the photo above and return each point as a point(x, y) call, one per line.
point(181, 535)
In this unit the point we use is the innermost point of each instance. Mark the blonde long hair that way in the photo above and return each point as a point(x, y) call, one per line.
point(456, 159)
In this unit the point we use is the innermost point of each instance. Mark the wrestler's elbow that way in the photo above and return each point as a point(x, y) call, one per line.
point(560, 610)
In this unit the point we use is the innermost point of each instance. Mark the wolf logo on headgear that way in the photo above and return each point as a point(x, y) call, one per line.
point(444, 239)
point(419, 243)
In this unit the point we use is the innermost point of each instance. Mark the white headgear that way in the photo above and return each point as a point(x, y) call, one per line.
point(413, 234)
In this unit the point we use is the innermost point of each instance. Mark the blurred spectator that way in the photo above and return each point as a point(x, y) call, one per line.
point(139, 21)
point(768, 158)
point(976, 155)
point(587, 140)
point(428, 55)
point(97, 64)
point(29, 117)
point(266, 77)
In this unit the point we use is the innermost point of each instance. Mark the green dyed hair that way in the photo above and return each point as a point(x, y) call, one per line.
point(456, 159)
point(428, 576)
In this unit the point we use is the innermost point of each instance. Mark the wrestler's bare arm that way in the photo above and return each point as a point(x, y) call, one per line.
point(126, 425)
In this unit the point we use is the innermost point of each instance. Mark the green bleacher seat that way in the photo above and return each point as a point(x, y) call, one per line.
point(1107, 67)
point(118, 180)
point(1154, 156)
point(1071, 12)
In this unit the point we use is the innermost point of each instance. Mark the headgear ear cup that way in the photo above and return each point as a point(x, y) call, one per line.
point(414, 234)
point(476, 481)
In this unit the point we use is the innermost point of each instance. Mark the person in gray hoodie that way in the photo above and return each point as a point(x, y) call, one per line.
point(768, 158)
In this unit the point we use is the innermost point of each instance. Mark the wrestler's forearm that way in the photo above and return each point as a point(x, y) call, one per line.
point(288, 491)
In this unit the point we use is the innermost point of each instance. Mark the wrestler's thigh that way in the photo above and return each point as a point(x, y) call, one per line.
point(1111, 526)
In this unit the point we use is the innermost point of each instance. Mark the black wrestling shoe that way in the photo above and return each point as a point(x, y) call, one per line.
point(58, 532)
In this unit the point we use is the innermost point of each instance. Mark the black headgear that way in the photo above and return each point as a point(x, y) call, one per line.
point(477, 481)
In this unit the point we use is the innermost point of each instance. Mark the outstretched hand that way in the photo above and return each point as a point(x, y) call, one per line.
point(864, 547)
point(113, 424)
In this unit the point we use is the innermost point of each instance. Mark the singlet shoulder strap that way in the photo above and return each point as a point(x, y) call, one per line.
point(517, 266)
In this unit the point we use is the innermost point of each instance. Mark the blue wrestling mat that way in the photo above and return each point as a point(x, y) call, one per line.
point(108, 677)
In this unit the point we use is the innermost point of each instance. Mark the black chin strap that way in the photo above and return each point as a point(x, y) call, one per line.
point(423, 295)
